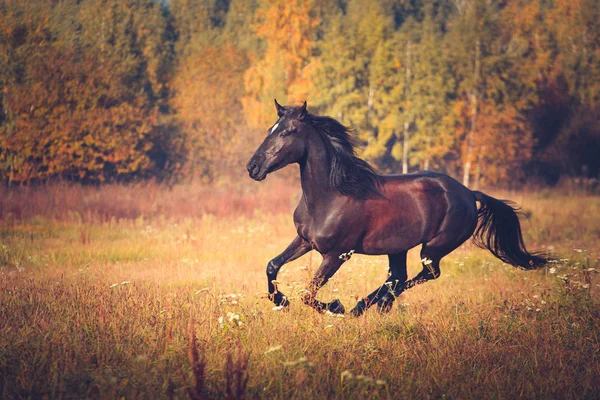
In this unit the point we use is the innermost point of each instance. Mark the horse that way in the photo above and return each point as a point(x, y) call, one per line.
point(346, 208)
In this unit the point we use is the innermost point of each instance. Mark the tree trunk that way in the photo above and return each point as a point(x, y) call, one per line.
point(405, 149)
point(473, 98)
point(370, 103)
point(477, 174)
point(406, 118)
point(427, 148)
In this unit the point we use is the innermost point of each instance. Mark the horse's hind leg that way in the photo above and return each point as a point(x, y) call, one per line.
point(431, 254)
point(397, 277)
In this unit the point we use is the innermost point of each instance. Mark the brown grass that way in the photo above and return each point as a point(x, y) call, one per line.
point(90, 204)
point(135, 292)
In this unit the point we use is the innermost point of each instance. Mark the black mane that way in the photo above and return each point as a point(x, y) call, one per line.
point(349, 174)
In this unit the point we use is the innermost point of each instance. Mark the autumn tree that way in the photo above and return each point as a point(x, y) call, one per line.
point(208, 84)
point(82, 95)
point(283, 71)
point(486, 90)
point(352, 73)
point(483, 58)
point(431, 88)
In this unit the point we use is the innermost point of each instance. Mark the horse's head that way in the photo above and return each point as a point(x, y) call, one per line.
point(285, 143)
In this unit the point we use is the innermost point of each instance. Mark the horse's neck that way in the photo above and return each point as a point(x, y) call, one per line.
point(314, 174)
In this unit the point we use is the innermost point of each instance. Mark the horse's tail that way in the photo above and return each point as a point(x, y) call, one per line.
point(499, 231)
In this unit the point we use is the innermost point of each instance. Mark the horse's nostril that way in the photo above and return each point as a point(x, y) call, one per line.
point(253, 168)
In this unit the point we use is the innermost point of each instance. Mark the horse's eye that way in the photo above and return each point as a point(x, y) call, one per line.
point(287, 132)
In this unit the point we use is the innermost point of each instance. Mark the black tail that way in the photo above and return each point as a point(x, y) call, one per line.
point(499, 231)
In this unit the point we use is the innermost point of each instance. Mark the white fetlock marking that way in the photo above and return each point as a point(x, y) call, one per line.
point(346, 256)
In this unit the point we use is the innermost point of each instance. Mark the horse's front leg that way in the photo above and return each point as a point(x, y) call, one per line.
point(329, 266)
point(296, 249)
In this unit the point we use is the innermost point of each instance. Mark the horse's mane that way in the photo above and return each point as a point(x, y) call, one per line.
point(350, 175)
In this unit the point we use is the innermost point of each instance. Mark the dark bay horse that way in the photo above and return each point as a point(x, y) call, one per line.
point(347, 208)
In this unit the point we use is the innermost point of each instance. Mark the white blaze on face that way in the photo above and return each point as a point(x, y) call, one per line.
point(274, 127)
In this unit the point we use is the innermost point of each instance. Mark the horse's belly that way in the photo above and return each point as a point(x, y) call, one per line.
point(391, 239)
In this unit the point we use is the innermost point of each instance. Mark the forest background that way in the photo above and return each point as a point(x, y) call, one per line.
point(491, 92)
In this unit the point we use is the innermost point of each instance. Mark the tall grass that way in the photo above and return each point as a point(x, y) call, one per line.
point(66, 202)
point(164, 295)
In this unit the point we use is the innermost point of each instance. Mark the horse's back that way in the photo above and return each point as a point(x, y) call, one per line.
point(414, 207)
point(445, 181)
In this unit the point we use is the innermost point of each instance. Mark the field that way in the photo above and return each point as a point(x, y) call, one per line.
point(146, 292)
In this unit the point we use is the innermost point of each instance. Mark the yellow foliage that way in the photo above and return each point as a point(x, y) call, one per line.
point(283, 71)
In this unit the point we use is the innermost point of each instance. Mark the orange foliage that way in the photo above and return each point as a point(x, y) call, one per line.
point(502, 141)
point(207, 91)
point(287, 30)
point(69, 119)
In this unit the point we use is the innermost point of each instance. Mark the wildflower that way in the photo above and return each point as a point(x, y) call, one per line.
point(364, 378)
point(426, 261)
point(234, 319)
point(202, 290)
point(301, 360)
point(380, 382)
point(334, 315)
point(125, 283)
point(328, 327)
point(277, 308)
point(273, 349)
point(113, 285)
point(552, 270)
point(141, 358)
point(345, 375)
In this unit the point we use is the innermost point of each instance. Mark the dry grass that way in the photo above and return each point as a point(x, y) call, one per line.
point(144, 292)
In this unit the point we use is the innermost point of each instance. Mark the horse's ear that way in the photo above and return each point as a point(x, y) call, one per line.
point(280, 108)
point(303, 110)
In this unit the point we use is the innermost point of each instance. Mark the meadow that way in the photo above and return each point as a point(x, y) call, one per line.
point(144, 291)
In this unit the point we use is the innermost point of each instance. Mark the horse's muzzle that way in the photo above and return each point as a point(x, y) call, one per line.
point(254, 171)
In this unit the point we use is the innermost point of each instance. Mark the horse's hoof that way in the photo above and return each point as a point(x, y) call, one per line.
point(336, 307)
point(280, 300)
point(359, 309)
